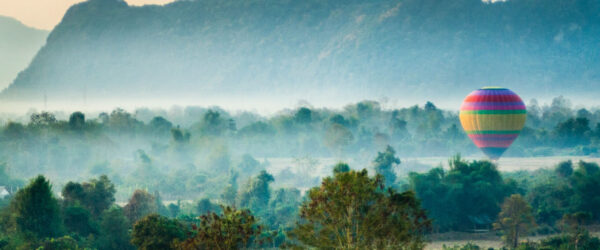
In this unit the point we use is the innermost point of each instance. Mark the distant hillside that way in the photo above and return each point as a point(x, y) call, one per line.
point(316, 48)
point(18, 45)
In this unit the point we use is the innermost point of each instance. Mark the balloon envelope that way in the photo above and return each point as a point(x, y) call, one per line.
point(493, 118)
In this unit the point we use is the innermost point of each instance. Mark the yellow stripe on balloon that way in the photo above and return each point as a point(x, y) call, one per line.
point(491, 122)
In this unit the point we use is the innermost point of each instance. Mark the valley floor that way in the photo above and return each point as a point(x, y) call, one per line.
point(483, 240)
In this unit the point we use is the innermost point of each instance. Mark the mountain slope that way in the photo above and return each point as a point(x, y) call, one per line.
point(316, 49)
point(18, 45)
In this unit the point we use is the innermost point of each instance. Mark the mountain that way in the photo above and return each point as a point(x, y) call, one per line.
point(249, 51)
point(18, 45)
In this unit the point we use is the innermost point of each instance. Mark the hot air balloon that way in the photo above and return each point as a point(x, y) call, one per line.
point(493, 118)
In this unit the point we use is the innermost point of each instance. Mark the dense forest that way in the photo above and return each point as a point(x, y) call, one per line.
point(207, 50)
point(186, 178)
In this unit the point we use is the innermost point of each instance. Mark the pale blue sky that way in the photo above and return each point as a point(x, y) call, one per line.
point(45, 14)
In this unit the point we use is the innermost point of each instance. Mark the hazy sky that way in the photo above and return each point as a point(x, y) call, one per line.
point(45, 14)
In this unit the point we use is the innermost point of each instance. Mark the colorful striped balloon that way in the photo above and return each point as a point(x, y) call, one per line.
point(493, 117)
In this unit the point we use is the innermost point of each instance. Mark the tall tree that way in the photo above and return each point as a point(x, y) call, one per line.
point(140, 204)
point(384, 165)
point(257, 193)
point(585, 181)
point(36, 210)
point(77, 121)
point(114, 230)
point(96, 195)
point(353, 210)
point(514, 219)
point(233, 229)
point(155, 232)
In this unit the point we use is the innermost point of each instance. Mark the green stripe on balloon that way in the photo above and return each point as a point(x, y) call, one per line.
point(492, 132)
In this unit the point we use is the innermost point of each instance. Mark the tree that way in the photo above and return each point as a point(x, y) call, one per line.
point(213, 124)
point(141, 204)
point(96, 195)
point(77, 219)
point(42, 119)
point(230, 192)
point(155, 232)
point(234, 229)
point(303, 116)
point(514, 219)
point(573, 131)
point(36, 210)
point(565, 169)
point(160, 207)
point(384, 165)
point(114, 230)
point(174, 209)
point(337, 137)
point(179, 135)
point(77, 121)
point(353, 210)
point(62, 243)
point(341, 167)
point(466, 196)
point(283, 208)
point(257, 194)
point(160, 126)
point(205, 206)
point(585, 181)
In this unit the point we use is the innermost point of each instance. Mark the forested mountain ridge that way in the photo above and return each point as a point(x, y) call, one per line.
point(18, 45)
point(329, 49)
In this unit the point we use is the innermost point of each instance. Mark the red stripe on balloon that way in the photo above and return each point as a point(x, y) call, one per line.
point(495, 144)
point(497, 136)
point(492, 98)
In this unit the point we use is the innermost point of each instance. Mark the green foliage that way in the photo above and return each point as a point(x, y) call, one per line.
point(352, 210)
point(213, 124)
point(62, 243)
point(174, 209)
point(78, 220)
point(161, 127)
point(465, 197)
point(36, 210)
point(206, 206)
point(77, 121)
point(384, 165)
point(514, 219)
point(233, 229)
point(96, 195)
point(283, 208)
point(550, 200)
point(230, 192)
point(42, 120)
point(303, 116)
point(565, 169)
point(577, 240)
point(155, 232)
point(256, 194)
point(341, 167)
point(574, 131)
point(586, 183)
point(140, 204)
point(179, 135)
point(114, 230)
point(160, 207)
